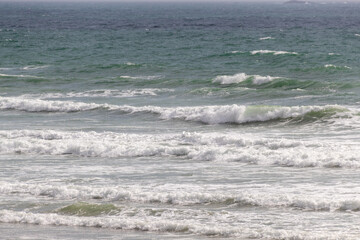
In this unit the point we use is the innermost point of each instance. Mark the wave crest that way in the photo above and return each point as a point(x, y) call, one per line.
point(241, 77)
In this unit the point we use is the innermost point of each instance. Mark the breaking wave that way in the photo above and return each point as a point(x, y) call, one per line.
point(241, 77)
point(192, 146)
point(182, 195)
point(167, 222)
point(218, 114)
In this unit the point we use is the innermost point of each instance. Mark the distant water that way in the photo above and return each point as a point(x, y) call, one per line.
point(179, 121)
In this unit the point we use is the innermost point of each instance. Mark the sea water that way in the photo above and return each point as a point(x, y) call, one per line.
point(179, 121)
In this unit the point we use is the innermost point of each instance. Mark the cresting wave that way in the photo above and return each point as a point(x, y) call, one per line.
point(218, 114)
point(161, 224)
point(184, 194)
point(191, 146)
point(241, 77)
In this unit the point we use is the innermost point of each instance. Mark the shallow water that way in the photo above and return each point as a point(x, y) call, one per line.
point(166, 121)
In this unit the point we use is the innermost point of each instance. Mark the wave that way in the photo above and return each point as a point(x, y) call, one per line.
point(256, 52)
point(33, 67)
point(241, 77)
point(170, 223)
point(218, 114)
point(269, 82)
point(36, 105)
point(118, 65)
point(19, 76)
point(88, 209)
point(336, 67)
point(140, 77)
point(184, 194)
point(102, 93)
point(192, 146)
point(324, 68)
point(357, 35)
point(266, 38)
point(272, 52)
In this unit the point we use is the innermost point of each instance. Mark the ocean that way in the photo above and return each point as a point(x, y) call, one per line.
point(179, 121)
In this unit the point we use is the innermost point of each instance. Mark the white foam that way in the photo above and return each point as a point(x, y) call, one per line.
point(272, 52)
point(36, 105)
point(217, 114)
point(356, 34)
point(20, 75)
point(334, 66)
point(240, 77)
point(266, 38)
point(218, 225)
point(197, 147)
point(31, 67)
point(141, 77)
point(325, 199)
point(102, 93)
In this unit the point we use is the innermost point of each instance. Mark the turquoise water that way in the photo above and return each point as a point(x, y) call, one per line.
point(216, 120)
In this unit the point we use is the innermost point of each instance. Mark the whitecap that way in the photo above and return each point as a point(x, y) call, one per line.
point(141, 77)
point(18, 76)
point(194, 146)
point(266, 38)
point(31, 67)
point(206, 114)
point(334, 66)
point(272, 52)
point(240, 77)
point(102, 93)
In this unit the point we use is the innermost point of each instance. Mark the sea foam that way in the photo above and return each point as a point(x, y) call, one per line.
point(189, 194)
point(196, 147)
point(102, 93)
point(219, 226)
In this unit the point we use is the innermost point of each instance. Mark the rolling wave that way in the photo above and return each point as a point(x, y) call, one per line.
point(169, 223)
point(192, 146)
point(184, 194)
point(241, 77)
point(218, 114)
